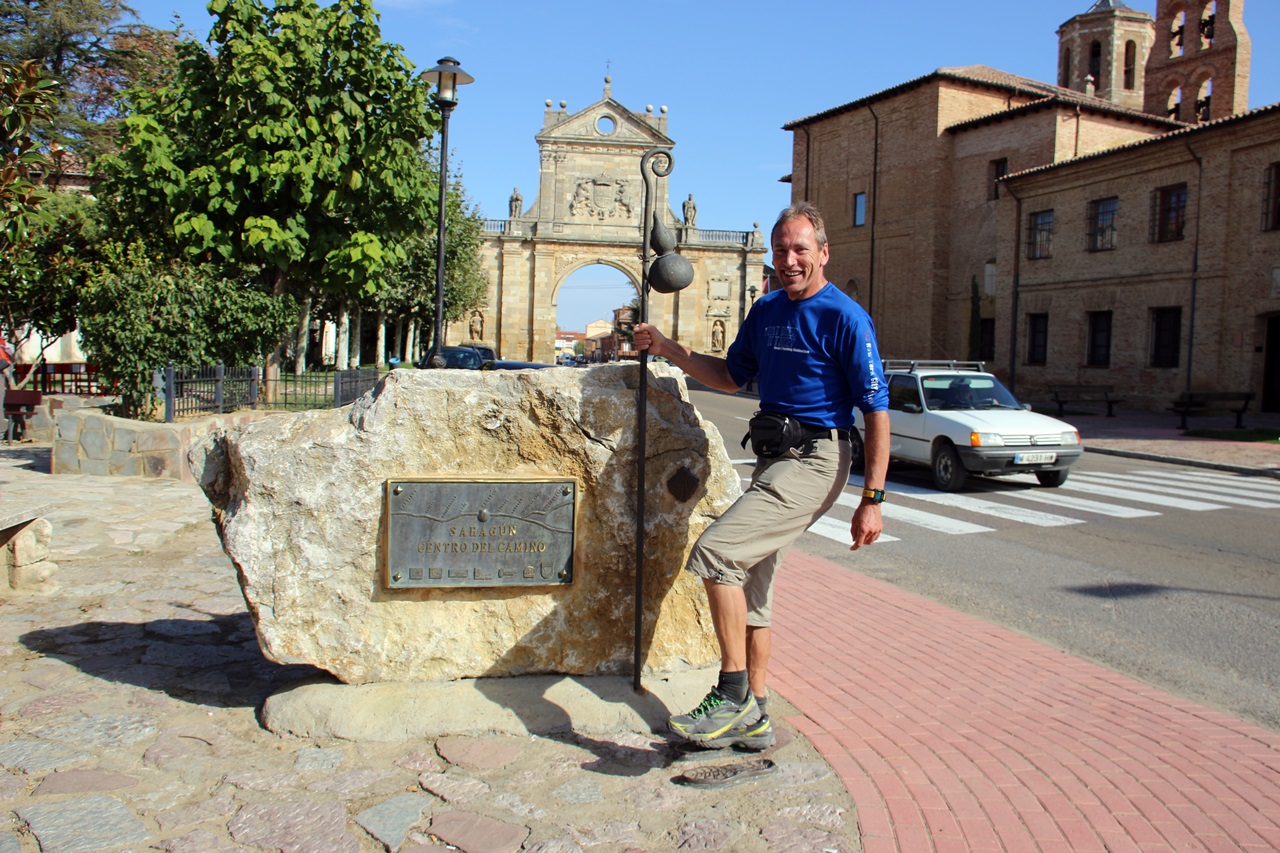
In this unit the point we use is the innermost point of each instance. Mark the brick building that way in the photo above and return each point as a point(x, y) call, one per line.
point(978, 214)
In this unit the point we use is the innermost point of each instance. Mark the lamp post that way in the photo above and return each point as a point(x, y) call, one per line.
point(447, 76)
point(753, 290)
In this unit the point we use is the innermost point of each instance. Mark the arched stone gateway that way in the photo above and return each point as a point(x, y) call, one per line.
point(587, 211)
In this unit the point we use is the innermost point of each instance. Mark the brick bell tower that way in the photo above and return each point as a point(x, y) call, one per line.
point(1198, 69)
point(1104, 52)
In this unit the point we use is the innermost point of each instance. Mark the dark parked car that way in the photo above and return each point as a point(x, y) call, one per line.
point(486, 353)
point(459, 358)
point(503, 364)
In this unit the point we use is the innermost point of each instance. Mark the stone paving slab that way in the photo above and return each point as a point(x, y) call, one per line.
point(134, 693)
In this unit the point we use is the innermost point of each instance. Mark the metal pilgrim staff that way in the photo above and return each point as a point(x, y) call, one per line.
point(668, 273)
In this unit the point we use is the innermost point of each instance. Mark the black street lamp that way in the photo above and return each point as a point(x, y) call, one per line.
point(447, 76)
point(753, 290)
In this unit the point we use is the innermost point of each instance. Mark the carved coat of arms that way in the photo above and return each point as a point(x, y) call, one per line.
point(601, 198)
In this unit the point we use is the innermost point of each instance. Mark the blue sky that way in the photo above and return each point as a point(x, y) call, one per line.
point(730, 73)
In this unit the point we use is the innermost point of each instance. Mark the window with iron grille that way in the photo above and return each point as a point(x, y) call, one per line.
point(1099, 349)
point(1168, 213)
point(1166, 336)
point(1037, 338)
point(1271, 198)
point(1040, 235)
point(1101, 225)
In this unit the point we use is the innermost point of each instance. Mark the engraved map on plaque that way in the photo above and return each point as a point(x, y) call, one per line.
point(466, 533)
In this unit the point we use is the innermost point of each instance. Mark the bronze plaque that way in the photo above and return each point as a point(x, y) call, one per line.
point(479, 533)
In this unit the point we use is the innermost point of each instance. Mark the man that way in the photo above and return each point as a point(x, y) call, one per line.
point(814, 353)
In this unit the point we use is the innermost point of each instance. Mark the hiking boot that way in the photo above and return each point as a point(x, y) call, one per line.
point(751, 736)
point(711, 721)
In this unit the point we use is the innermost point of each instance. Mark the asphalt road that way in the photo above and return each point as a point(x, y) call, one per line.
point(1166, 573)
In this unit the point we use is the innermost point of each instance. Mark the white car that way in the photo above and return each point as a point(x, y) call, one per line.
point(960, 420)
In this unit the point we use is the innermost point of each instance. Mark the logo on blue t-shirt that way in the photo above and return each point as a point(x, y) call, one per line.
point(786, 338)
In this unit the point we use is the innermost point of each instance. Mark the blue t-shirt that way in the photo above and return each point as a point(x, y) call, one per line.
point(815, 358)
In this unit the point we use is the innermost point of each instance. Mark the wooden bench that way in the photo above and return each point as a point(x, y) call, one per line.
point(1063, 394)
point(19, 405)
point(1196, 402)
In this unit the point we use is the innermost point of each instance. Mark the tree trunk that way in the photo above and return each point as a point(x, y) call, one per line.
point(302, 338)
point(382, 339)
point(357, 339)
point(411, 345)
point(271, 380)
point(344, 337)
point(399, 344)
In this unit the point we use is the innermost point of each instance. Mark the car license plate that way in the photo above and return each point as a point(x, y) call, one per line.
point(1033, 458)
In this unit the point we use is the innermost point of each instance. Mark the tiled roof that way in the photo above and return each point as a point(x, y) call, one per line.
point(1083, 102)
point(1108, 5)
point(1180, 133)
point(985, 76)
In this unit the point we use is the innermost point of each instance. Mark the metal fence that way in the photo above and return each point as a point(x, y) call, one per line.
point(189, 391)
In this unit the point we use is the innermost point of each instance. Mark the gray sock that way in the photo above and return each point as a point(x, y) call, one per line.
point(733, 685)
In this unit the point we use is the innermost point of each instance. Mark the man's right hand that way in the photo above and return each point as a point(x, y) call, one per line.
point(646, 337)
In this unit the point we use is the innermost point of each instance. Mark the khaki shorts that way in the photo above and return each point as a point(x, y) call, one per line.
point(745, 546)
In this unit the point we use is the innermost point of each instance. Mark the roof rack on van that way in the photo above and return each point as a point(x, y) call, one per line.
point(911, 365)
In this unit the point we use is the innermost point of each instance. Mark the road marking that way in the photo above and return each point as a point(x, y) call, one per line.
point(1084, 504)
point(1255, 486)
point(1139, 496)
point(908, 515)
point(1173, 489)
point(981, 507)
point(838, 531)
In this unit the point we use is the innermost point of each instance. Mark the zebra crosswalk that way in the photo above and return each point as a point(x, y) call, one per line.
point(1087, 495)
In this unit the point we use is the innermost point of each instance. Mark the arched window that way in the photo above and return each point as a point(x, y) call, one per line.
point(1207, 17)
point(1130, 65)
point(1064, 69)
point(1177, 34)
point(1175, 103)
point(1204, 99)
point(1095, 63)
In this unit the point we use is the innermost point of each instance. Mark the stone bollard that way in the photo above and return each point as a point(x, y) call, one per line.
point(26, 558)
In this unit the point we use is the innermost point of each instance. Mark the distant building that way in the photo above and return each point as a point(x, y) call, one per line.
point(1121, 227)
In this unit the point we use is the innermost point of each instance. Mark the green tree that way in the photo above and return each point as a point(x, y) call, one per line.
point(139, 312)
point(409, 285)
point(44, 273)
point(26, 97)
point(89, 49)
point(292, 147)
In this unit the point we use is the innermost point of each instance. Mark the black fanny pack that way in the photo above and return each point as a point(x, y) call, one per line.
point(772, 434)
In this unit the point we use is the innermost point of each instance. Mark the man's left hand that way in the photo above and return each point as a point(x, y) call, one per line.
point(866, 525)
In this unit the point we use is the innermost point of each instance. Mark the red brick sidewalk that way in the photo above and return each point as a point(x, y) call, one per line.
point(956, 735)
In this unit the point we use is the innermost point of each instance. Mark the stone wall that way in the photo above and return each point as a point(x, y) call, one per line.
point(86, 441)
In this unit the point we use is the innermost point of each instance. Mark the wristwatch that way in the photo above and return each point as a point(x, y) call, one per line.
point(876, 496)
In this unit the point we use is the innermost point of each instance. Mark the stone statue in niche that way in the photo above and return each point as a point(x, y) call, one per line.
point(516, 202)
point(690, 212)
point(717, 336)
point(476, 326)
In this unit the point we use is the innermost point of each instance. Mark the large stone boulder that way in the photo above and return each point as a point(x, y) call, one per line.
point(298, 502)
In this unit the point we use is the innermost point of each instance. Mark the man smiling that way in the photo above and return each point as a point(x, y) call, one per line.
point(814, 352)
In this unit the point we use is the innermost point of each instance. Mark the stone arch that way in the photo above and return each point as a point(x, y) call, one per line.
point(588, 211)
point(631, 271)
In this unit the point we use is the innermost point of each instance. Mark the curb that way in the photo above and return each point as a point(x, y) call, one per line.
point(1193, 463)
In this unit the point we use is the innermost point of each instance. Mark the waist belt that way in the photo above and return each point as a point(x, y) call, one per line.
point(826, 432)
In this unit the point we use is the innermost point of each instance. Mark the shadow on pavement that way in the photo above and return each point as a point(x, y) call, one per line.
point(214, 661)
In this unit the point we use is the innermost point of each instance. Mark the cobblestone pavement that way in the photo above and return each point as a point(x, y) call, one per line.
point(128, 704)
